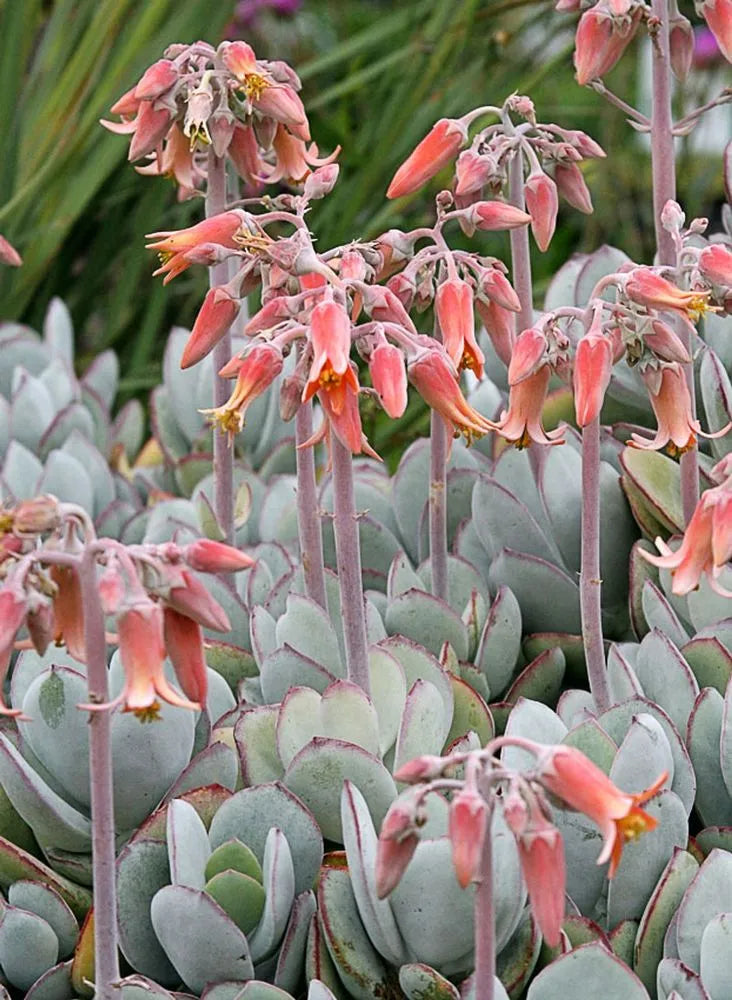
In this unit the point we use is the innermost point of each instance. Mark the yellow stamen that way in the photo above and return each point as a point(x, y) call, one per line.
point(254, 85)
point(467, 361)
point(6, 522)
point(252, 242)
point(674, 449)
point(329, 379)
point(633, 825)
point(165, 255)
point(698, 306)
point(150, 713)
point(524, 441)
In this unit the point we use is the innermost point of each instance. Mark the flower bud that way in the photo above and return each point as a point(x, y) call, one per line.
point(542, 201)
point(389, 378)
point(496, 286)
point(592, 369)
point(33, 517)
point(8, 254)
point(665, 344)
point(208, 556)
point(600, 41)
point(291, 391)
point(467, 829)
point(681, 46)
point(528, 355)
point(219, 310)
point(572, 187)
point(495, 216)
point(321, 182)
point(156, 80)
point(435, 151)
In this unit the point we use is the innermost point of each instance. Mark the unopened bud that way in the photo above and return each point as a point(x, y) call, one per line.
point(321, 182)
point(291, 392)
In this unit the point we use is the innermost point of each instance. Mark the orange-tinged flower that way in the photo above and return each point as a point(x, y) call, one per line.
point(541, 852)
point(439, 146)
point(261, 366)
point(600, 41)
point(208, 556)
point(219, 310)
point(521, 423)
point(150, 128)
point(176, 161)
point(715, 261)
point(454, 307)
point(183, 640)
point(340, 405)
point(330, 371)
point(671, 403)
point(572, 777)
point(706, 546)
point(294, 159)
point(389, 378)
point(467, 829)
point(13, 608)
point(174, 246)
point(592, 369)
point(496, 216)
point(529, 355)
point(542, 201)
point(68, 611)
point(244, 153)
point(435, 379)
point(500, 326)
point(156, 80)
point(397, 843)
point(572, 187)
point(649, 289)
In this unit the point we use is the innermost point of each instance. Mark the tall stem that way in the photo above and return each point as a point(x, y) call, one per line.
point(520, 256)
point(106, 961)
point(663, 167)
point(308, 514)
point(438, 506)
point(223, 454)
point(485, 923)
point(348, 560)
point(590, 580)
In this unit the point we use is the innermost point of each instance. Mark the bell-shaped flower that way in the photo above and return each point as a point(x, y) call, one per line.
point(330, 339)
point(68, 611)
point(467, 830)
point(183, 640)
point(718, 15)
point(435, 151)
point(542, 201)
point(454, 309)
point(184, 592)
point(705, 548)
point(500, 326)
point(572, 777)
point(389, 378)
point(435, 379)
point(261, 366)
point(646, 288)
point(245, 154)
point(156, 80)
point(176, 161)
point(529, 355)
point(219, 310)
point(293, 159)
point(715, 263)
point(13, 608)
point(592, 369)
point(572, 187)
point(671, 402)
point(665, 343)
point(472, 171)
point(521, 423)
point(174, 246)
point(397, 843)
point(600, 41)
point(341, 409)
point(150, 128)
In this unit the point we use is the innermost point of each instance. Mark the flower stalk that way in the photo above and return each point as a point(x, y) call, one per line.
point(308, 513)
point(438, 506)
point(520, 256)
point(485, 919)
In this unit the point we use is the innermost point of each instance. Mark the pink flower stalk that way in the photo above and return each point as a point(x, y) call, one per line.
point(467, 829)
point(542, 201)
point(500, 327)
point(571, 776)
point(592, 369)
point(572, 187)
point(435, 151)
point(13, 608)
point(8, 254)
point(646, 288)
point(718, 15)
point(600, 41)
point(521, 423)
point(454, 308)
point(496, 216)
point(183, 640)
point(174, 245)
point(208, 556)
point(219, 310)
point(706, 547)
point(671, 403)
point(330, 371)
point(715, 263)
point(397, 843)
point(435, 380)
point(389, 378)
point(261, 366)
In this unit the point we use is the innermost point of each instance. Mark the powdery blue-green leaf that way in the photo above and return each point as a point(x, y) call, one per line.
point(660, 614)
point(428, 620)
point(517, 961)
point(644, 754)
point(713, 801)
point(710, 661)
point(388, 694)
point(716, 954)
point(216, 764)
point(666, 677)
point(306, 627)
point(503, 521)
point(291, 957)
point(279, 887)
point(725, 740)
point(676, 981)
point(594, 743)
point(590, 970)
point(500, 642)
point(43, 901)
point(188, 846)
point(418, 981)
point(716, 397)
point(66, 478)
point(285, 668)
point(28, 947)
point(21, 471)
point(424, 726)
point(471, 714)
point(142, 869)
point(709, 893)
point(255, 736)
point(55, 984)
point(621, 675)
point(531, 579)
point(535, 721)
point(419, 664)
point(343, 712)
point(201, 941)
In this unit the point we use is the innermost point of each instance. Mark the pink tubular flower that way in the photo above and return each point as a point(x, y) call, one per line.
point(496, 216)
point(258, 370)
point(718, 15)
point(468, 827)
point(600, 41)
point(397, 843)
point(671, 403)
point(8, 254)
point(174, 246)
point(183, 640)
point(435, 380)
point(571, 185)
point(68, 611)
point(340, 405)
point(592, 369)
point(176, 161)
point(436, 150)
point(454, 308)
point(665, 344)
point(294, 159)
point(706, 546)
point(13, 608)
point(187, 595)
point(572, 777)
point(649, 289)
point(389, 378)
point(528, 355)
point(521, 423)
point(245, 155)
point(150, 128)
point(542, 202)
point(715, 263)
point(218, 312)
point(500, 327)
point(471, 172)
point(541, 852)
point(156, 80)
point(496, 286)
point(330, 371)
point(208, 556)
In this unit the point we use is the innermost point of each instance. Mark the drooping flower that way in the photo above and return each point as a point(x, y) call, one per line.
point(436, 150)
point(521, 423)
point(261, 366)
point(435, 379)
point(183, 640)
point(671, 402)
point(207, 556)
point(592, 369)
point(651, 290)
point(389, 378)
point(219, 310)
point(454, 309)
point(496, 216)
point(398, 841)
point(68, 611)
point(467, 829)
point(601, 40)
point(13, 608)
point(718, 15)
point(500, 326)
point(715, 263)
point(542, 201)
point(294, 159)
point(572, 777)
point(330, 371)
point(174, 246)
point(572, 187)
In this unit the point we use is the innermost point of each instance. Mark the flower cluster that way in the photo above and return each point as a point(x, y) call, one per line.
point(152, 592)
point(560, 771)
point(199, 98)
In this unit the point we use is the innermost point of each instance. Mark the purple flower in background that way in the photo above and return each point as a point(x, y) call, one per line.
point(706, 49)
point(247, 10)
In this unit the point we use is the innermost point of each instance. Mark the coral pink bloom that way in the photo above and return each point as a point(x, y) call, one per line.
point(186, 594)
point(261, 366)
point(671, 403)
point(151, 127)
point(571, 776)
point(500, 326)
point(649, 289)
point(345, 419)
point(389, 378)
point(435, 380)
point(8, 254)
point(521, 423)
point(600, 41)
point(294, 159)
point(125, 105)
point(176, 161)
point(68, 611)
point(571, 185)
point(384, 306)
point(207, 556)
point(495, 285)
point(471, 172)
point(541, 852)
point(454, 308)
point(496, 216)
point(436, 150)
point(681, 42)
point(13, 608)
point(397, 843)
point(272, 312)
point(467, 829)
point(174, 247)
point(330, 371)
point(183, 640)
point(706, 546)
point(542, 201)
point(156, 80)
point(528, 355)
point(218, 312)
point(284, 105)
point(142, 651)
point(665, 344)
point(718, 15)
point(244, 154)
point(715, 262)
point(592, 369)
